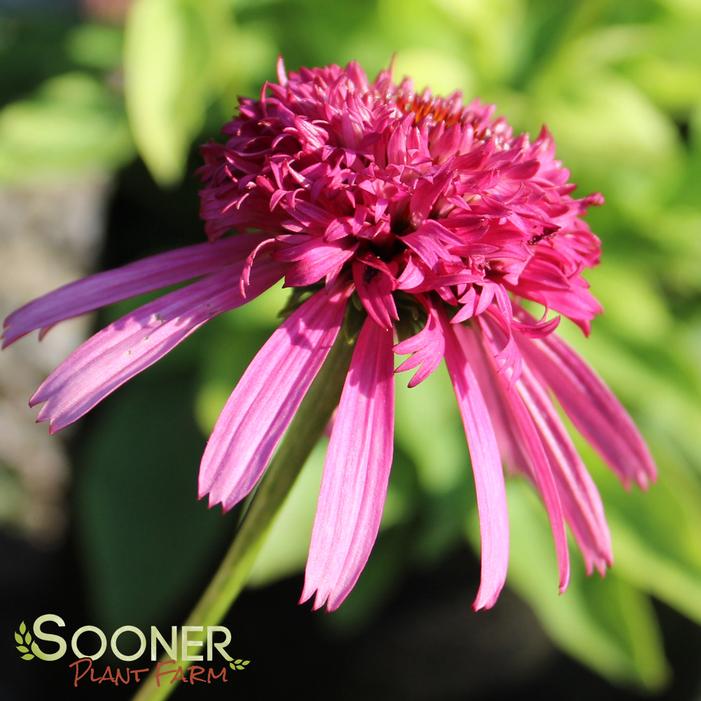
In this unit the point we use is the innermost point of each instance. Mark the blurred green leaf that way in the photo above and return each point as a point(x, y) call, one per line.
point(609, 131)
point(96, 46)
point(172, 69)
point(428, 67)
point(71, 124)
point(616, 285)
point(692, 182)
point(655, 533)
point(491, 33)
point(428, 426)
point(668, 66)
point(146, 539)
point(603, 622)
point(32, 50)
point(13, 497)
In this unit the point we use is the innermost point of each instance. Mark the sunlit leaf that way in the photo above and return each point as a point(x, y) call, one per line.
point(71, 124)
point(604, 622)
point(172, 50)
point(606, 129)
point(428, 426)
point(655, 533)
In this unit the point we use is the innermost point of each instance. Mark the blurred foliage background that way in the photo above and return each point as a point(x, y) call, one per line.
point(125, 91)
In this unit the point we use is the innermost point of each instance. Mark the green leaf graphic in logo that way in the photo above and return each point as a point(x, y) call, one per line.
point(239, 664)
point(23, 638)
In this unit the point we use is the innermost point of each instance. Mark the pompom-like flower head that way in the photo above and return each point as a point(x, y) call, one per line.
point(410, 194)
point(437, 222)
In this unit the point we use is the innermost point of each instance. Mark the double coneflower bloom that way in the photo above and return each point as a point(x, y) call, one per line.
point(438, 222)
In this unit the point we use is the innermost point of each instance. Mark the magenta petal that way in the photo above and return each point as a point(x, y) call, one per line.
point(137, 340)
point(427, 348)
point(580, 498)
point(507, 440)
point(374, 289)
point(593, 408)
point(266, 398)
point(486, 467)
point(533, 451)
point(356, 472)
point(426, 193)
point(430, 242)
point(111, 286)
point(313, 259)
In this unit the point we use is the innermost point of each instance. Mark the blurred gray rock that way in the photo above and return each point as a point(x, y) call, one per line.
point(49, 235)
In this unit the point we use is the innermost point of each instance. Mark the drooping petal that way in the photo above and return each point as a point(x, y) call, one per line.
point(133, 343)
point(593, 408)
point(245, 278)
point(486, 467)
point(533, 451)
point(507, 440)
point(356, 472)
point(580, 498)
point(266, 398)
point(130, 280)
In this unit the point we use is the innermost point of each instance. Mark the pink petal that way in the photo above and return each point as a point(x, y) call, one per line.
point(312, 259)
point(486, 467)
point(426, 193)
point(137, 340)
point(374, 288)
point(593, 408)
point(245, 278)
point(266, 398)
point(533, 451)
point(412, 276)
point(281, 72)
point(136, 278)
point(580, 498)
point(427, 348)
point(356, 472)
point(508, 443)
point(430, 242)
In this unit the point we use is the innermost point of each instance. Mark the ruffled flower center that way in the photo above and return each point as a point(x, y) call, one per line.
point(401, 192)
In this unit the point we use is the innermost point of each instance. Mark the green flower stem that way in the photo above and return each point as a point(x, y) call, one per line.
point(304, 431)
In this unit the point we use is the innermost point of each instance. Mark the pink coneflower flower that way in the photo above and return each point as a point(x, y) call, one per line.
point(429, 215)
